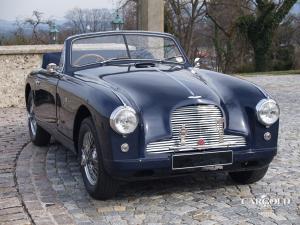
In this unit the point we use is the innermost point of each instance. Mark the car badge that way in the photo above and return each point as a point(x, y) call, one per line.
point(220, 129)
point(182, 134)
point(201, 142)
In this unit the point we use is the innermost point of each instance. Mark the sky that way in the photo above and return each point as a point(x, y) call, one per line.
point(297, 7)
point(11, 9)
point(55, 9)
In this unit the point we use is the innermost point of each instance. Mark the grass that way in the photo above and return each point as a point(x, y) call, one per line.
point(271, 73)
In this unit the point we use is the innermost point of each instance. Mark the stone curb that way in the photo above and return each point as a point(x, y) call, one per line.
point(36, 190)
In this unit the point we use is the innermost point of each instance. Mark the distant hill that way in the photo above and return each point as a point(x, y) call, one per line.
point(8, 27)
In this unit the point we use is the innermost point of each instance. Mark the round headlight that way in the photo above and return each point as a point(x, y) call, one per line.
point(267, 111)
point(123, 120)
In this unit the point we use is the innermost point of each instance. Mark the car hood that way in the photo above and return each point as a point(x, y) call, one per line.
point(155, 92)
point(162, 86)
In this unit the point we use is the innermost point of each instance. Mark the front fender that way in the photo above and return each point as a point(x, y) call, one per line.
point(239, 99)
point(101, 102)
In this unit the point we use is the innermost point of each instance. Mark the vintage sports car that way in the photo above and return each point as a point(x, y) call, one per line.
point(131, 106)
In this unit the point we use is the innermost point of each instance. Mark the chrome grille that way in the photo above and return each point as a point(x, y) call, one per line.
point(200, 122)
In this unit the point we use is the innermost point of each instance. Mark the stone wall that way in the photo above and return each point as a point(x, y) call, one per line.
point(16, 62)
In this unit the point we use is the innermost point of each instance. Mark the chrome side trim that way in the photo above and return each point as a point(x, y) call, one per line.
point(195, 97)
point(119, 97)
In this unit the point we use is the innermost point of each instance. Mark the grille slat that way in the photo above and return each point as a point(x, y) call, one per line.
point(200, 122)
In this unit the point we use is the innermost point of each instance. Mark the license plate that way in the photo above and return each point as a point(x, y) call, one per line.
point(203, 159)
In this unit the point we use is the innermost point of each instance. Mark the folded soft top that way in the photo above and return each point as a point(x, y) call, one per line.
point(53, 57)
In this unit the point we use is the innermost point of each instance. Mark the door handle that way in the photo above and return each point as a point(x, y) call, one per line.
point(37, 82)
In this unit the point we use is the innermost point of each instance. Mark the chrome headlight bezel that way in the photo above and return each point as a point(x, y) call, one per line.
point(115, 122)
point(260, 108)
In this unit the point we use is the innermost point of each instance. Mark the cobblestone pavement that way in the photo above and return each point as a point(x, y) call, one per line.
point(48, 182)
point(13, 137)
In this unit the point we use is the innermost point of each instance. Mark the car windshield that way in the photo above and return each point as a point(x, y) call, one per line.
point(109, 48)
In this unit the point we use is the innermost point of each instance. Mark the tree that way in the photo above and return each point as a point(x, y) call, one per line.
point(259, 27)
point(88, 20)
point(129, 11)
point(38, 35)
point(19, 34)
point(282, 52)
point(221, 18)
point(297, 30)
point(181, 19)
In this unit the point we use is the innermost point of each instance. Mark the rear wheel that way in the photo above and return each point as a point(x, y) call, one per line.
point(38, 135)
point(248, 177)
point(97, 182)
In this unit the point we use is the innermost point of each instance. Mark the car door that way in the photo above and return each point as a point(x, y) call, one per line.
point(68, 90)
point(45, 98)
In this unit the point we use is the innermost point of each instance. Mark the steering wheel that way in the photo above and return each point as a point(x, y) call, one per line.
point(99, 58)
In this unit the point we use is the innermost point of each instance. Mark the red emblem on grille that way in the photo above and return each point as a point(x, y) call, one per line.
point(201, 141)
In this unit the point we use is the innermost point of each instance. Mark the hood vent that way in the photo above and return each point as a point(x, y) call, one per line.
point(144, 65)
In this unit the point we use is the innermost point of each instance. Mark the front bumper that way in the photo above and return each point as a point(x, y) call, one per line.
point(160, 165)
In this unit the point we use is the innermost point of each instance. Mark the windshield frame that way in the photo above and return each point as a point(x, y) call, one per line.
point(124, 34)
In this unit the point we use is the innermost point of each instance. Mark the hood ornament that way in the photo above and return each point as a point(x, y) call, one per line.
point(195, 97)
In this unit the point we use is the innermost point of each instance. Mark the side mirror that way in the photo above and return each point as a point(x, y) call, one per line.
point(197, 62)
point(51, 68)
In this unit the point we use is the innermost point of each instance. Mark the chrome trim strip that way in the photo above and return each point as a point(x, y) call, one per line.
point(195, 97)
point(119, 97)
point(228, 143)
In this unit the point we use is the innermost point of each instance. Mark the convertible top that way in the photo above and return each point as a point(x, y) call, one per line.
point(53, 57)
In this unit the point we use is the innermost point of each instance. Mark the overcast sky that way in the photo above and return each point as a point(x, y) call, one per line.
point(11, 9)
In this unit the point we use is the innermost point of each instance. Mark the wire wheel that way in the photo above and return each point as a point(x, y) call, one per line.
point(89, 158)
point(31, 119)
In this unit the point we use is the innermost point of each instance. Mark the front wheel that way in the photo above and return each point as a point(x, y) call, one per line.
point(38, 135)
point(248, 177)
point(97, 182)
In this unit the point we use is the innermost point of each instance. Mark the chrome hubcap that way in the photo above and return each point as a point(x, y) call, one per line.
point(31, 119)
point(89, 159)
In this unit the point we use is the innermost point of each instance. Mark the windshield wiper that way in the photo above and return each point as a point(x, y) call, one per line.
point(112, 59)
point(173, 57)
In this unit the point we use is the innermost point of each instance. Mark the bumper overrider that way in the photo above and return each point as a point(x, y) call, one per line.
point(162, 165)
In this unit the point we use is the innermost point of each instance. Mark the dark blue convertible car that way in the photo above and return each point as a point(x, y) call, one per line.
point(131, 106)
